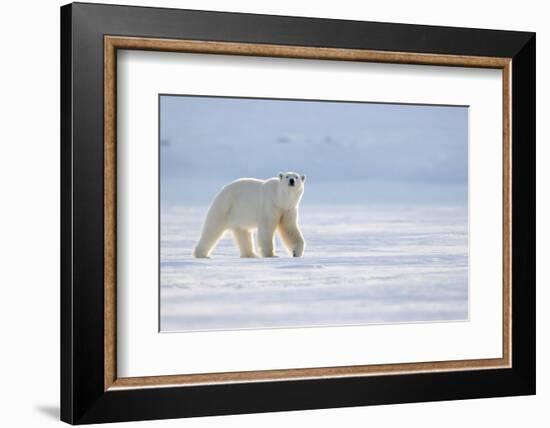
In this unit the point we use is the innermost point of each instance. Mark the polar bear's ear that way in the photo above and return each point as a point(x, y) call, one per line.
point(303, 178)
point(280, 176)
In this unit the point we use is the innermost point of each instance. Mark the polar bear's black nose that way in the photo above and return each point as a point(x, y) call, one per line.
point(291, 181)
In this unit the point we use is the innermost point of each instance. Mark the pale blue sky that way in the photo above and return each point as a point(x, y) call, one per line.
point(351, 152)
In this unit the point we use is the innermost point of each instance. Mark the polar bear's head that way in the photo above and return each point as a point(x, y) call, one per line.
point(291, 188)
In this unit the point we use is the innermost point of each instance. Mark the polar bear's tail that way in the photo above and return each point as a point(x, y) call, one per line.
point(214, 226)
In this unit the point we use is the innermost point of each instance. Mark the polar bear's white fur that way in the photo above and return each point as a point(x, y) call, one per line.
point(248, 204)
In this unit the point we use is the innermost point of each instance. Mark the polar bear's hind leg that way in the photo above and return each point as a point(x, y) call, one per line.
point(243, 239)
point(213, 228)
point(211, 234)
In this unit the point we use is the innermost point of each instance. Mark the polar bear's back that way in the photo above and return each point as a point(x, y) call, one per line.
point(243, 199)
point(244, 186)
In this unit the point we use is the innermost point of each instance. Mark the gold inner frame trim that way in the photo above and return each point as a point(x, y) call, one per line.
point(113, 43)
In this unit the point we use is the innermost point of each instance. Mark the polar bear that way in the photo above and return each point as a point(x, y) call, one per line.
point(249, 204)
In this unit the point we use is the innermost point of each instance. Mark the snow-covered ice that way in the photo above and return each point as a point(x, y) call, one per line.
point(363, 264)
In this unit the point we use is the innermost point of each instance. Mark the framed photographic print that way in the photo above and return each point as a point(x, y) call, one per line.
point(265, 213)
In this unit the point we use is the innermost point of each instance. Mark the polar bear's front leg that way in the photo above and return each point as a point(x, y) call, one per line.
point(290, 233)
point(266, 235)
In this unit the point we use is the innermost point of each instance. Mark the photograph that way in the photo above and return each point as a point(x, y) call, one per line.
point(294, 213)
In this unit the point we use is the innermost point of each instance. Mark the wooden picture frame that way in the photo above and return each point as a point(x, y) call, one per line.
point(91, 391)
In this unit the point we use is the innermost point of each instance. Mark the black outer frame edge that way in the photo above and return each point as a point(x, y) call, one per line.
point(83, 398)
point(166, 403)
point(66, 305)
point(301, 31)
point(524, 213)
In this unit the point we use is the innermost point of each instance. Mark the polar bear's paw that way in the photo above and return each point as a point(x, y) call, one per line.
point(298, 252)
point(199, 253)
point(249, 256)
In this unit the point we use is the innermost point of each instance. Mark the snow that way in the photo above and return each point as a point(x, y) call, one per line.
point(362, 265)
